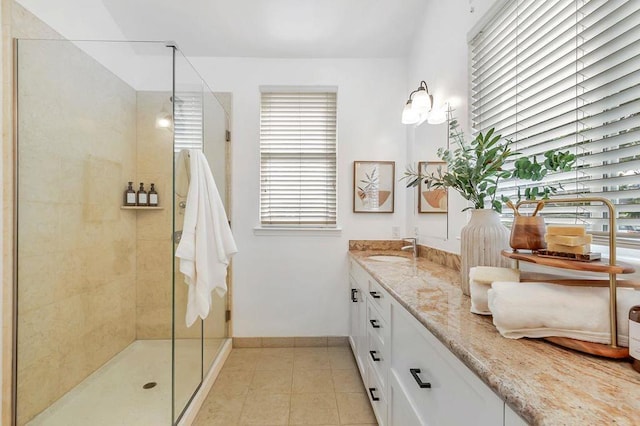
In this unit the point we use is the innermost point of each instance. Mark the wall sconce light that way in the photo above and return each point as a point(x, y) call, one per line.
point(419, 108)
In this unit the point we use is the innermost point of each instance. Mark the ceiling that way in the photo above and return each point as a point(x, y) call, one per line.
point(258, 28)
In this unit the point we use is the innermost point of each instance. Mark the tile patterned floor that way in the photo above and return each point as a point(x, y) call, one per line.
point(287, 386)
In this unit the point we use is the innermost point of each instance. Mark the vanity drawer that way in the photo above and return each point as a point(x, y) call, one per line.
point(378, 356)
point(377, 327)
point(377, 396)
point(380, 298)
point(436, 383)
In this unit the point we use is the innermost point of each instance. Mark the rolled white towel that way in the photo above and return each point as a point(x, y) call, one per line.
point(480, 279)
point(544, 310)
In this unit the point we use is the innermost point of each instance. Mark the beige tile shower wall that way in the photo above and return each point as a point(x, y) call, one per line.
point(154, 248)
point(77, 248)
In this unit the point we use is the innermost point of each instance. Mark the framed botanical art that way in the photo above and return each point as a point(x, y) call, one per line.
point(373, 186)
point(432, 200)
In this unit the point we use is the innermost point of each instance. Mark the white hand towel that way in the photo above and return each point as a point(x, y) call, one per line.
point(543, 310)
point(480, 279)
point(207, 243)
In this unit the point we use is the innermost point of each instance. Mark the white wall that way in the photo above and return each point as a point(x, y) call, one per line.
point(439, 56)
point(297, 285)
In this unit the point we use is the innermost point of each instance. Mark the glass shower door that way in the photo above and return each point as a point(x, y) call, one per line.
point(200, 123)
point(216, 146)
point(187, 338)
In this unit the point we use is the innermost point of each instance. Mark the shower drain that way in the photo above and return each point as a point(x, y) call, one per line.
point(149, 385)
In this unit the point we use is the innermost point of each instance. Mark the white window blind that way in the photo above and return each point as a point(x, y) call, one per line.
point(188, 119)
point(298, 158)
point(565, 74)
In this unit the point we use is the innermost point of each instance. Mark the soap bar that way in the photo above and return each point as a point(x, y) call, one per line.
point(571, 230)
point(568, 240)
point(583, 249)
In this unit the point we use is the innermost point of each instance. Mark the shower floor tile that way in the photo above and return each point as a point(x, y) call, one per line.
point(114, 394)
point(247, 393)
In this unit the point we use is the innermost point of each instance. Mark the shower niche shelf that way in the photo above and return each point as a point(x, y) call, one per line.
point(141, 208)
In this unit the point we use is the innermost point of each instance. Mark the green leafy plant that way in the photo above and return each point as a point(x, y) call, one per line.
point(475, 169)
point(533, 171)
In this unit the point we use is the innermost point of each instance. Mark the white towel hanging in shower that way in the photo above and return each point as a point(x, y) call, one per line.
point(207, 244)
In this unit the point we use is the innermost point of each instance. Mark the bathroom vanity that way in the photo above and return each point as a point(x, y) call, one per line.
point(425, 359)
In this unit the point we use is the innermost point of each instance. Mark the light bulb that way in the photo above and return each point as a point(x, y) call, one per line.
point(163, 121)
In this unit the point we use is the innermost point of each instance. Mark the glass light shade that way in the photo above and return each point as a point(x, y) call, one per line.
point(409, 114)
point(422, 100)
point(437, 116)
point(163, 121)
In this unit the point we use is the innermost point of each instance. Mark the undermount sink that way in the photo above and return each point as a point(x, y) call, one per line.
point(389, 258)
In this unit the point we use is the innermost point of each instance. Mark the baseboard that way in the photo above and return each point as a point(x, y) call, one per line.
point(290, 342)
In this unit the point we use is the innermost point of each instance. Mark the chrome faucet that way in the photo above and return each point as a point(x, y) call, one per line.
point(413, 246)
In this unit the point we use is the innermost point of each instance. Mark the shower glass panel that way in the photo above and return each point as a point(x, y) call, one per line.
point(188, 123)
point(101, 334)
point(216, 150)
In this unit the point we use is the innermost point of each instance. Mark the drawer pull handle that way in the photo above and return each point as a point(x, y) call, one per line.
point(373, 397)
point(374, 323)
point(354, 291)
point(373, 355)
point(375, 294)
point(423, 385)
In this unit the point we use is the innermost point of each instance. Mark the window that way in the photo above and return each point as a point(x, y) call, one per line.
point(188, 121)
point(565, 74)
point(298, 158)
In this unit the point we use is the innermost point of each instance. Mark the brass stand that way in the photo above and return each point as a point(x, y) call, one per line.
point(612, 270)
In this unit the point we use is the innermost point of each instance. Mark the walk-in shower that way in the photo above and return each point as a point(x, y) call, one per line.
point(101, 333)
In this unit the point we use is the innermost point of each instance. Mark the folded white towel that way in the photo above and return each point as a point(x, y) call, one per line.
point(480, 279)
point(544, 310)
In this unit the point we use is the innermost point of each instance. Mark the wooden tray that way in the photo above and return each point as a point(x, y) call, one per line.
point(596, 266)
point(596, 349)
point(537, 277)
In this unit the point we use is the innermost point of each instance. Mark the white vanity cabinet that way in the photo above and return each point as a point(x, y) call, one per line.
point(411, 377)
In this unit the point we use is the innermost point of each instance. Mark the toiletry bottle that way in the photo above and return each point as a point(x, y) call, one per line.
point(142, 196)
point(634, 337)
point(153, 196)
point(130, 195)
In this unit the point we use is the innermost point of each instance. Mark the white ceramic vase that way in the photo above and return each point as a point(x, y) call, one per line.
point(482, 241)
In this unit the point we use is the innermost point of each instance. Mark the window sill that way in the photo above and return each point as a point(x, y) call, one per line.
point(297, 232)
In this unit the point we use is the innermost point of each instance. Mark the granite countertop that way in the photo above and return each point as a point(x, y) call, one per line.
point(545, 384)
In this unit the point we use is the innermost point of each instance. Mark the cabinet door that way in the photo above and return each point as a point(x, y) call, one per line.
point(354, 313)
point(356, 318)
point(362, 352)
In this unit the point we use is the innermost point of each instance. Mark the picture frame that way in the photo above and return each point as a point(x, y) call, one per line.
point(374, 186)
point(432, 200)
